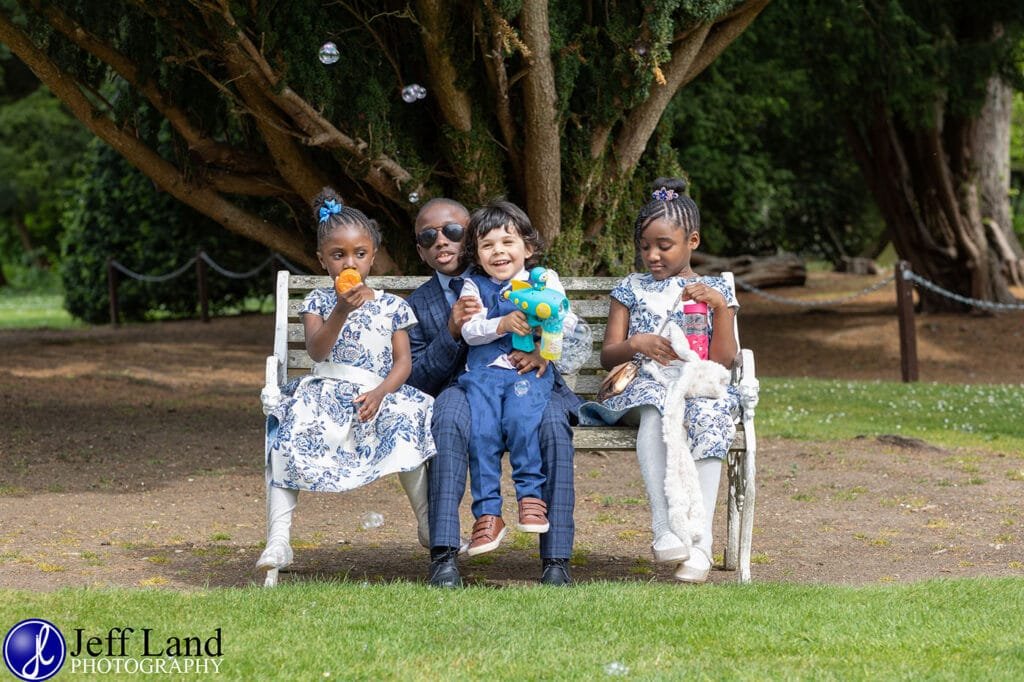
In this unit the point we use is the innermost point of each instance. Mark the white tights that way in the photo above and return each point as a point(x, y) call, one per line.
point(651, 453)
point(281, 505)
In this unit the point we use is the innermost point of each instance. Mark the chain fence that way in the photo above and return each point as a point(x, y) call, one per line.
point(908, 274)
point(200, 261)
point(213, 264)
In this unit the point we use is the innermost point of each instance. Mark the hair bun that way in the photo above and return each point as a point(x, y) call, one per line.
point(320, 201)
point(678, 185)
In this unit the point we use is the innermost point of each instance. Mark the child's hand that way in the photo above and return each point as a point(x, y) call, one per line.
point(353, 298)
point(702, 293)
point(657, 348)
point(527, 362)
point(369, 403)
point(514, 322)
point(462, 311)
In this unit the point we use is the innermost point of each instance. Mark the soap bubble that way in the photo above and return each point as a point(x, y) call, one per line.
point(329, 53)
point(576, 348)
point(413, 92)
point(414, 197)
point(616, 668)
point(370, 520)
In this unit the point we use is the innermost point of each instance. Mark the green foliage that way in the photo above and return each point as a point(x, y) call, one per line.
point(768, 162)
point(117, 213)
point(40, 145)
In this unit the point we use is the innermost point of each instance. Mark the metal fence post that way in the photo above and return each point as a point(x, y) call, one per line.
point(908, 331)
point(204, 303)
point(115, 312)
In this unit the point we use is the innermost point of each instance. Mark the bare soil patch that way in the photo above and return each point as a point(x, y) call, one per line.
point(132, 457)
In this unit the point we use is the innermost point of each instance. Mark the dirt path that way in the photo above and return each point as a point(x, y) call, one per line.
point(132, 457)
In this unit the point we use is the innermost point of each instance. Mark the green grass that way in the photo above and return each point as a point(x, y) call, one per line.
point(20, 309)
point(967, 629)
point(986, 416)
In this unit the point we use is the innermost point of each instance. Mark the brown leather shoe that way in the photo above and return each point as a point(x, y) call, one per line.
point(533, 515)
point(487, 534)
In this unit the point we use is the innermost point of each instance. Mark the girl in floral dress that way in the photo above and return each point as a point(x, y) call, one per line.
point(354, 419)
point(666, 232)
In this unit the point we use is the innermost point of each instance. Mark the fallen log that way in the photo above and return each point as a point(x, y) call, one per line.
point(779, 270)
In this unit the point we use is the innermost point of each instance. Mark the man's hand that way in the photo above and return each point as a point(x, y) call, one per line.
point(462, 311)
point(527, 362)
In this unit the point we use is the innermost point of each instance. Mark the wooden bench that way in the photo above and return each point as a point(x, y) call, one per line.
point(589, 299)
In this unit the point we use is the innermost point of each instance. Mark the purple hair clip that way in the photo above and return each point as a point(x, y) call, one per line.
point(662, 194)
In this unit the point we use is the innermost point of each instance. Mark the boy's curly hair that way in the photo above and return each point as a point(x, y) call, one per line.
point(502, 214)
point(340, 216)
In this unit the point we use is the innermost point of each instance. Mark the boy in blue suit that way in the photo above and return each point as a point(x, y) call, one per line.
point(439, 356)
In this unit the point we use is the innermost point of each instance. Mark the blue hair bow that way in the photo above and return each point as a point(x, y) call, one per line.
point(330, 207)
point(661, 194)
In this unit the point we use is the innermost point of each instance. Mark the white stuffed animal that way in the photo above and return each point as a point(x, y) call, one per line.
point(686, 378)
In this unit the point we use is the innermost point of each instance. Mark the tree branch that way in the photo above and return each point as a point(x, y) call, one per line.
point(497, 77)
point(641, 122)
point(543, 148)
point(383, 173)
point(169, 178)
point(726, 30)
point(454, 102)
point(207, 149)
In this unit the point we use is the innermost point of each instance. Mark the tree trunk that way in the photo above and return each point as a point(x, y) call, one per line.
point(926, 184)
point(780, 270)
point(990, 140)
point(38, 259)
point(542, 148)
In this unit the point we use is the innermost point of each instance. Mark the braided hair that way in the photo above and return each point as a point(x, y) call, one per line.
point(668, 202)
point(506, 215)
point(331, 214)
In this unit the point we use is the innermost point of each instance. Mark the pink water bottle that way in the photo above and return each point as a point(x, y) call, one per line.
point(696, 328)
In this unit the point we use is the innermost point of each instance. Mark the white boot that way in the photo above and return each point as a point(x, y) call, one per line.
point(278, 552)
point(416, 488)
point(698, 566)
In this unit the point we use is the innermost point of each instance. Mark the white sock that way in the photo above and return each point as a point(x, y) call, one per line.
point(709, 473)
point(416, 488)
point(280, 505)
point(651, 454)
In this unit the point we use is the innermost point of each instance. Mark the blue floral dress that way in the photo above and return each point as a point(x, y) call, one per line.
point(315, 441)
point(709, 421)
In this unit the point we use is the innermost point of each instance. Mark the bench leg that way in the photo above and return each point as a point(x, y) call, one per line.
point(747, 515)
point(734, 462)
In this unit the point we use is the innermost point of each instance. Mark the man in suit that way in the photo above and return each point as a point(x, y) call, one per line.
point(438, 357)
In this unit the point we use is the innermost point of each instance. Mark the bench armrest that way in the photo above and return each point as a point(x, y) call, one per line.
point(270, 396)
point(748, 385)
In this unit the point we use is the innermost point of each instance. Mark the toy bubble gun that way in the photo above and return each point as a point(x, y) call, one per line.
point(544, 308)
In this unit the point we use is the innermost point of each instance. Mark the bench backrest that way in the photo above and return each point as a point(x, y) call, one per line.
point(588, 297)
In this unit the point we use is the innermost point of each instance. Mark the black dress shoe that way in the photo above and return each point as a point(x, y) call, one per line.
point(556, 572)
point(444, 571)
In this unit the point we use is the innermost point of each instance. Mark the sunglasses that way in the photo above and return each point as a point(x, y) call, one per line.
point(452, 232)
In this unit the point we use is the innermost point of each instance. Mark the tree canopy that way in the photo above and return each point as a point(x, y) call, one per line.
point(552, 105)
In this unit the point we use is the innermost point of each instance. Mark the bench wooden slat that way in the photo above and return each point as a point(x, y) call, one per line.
point(297, 334)
point(624, 438)
point(585, 309)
